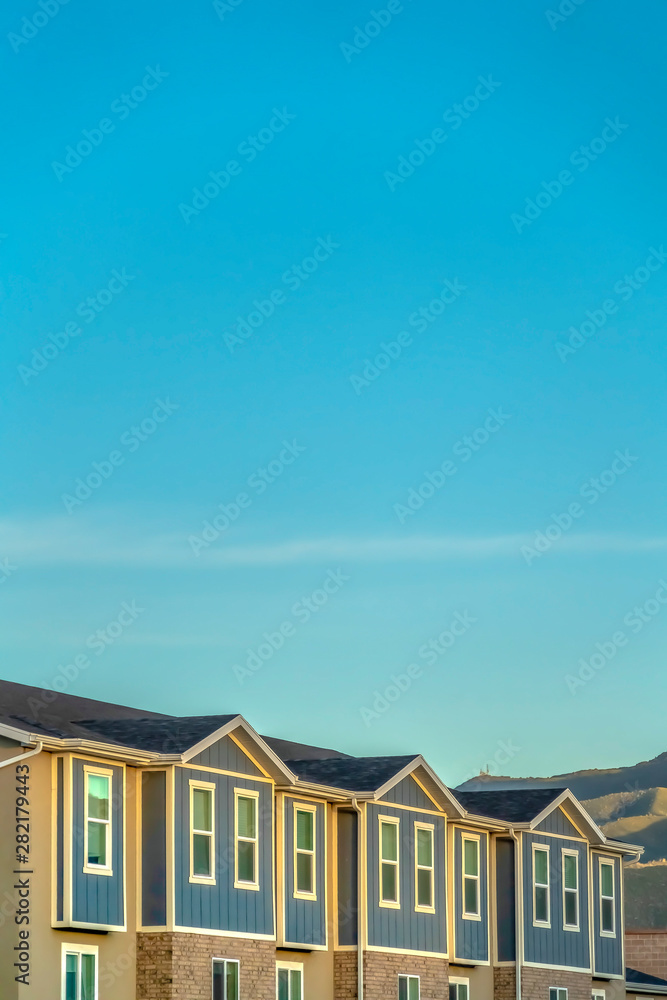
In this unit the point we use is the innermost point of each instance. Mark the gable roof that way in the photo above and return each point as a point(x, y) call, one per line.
point(516, 805)
point(287, 750)
point(168, 735)
point(358, 774)
point(643, 982)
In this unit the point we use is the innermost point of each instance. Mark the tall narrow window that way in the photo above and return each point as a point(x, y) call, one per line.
point(289, 978)
point(79, 973)
point(459, 989)
point(97, 821)
point(202, 831)
point(607, 899)
point(424, 867)
point(225, 979)
point(304, 850)
point(541, 893)
point(247, 839)
point(570, 890)
point(470, 877)
point(408, 988)
point(389, 886)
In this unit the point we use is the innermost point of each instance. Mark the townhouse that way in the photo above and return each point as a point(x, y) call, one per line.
point(153, 857)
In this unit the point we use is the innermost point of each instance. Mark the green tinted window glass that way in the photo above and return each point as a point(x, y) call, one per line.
point(295, 984)
point(71, 976)
point(87, 977)
point(389, 883)
point(202, 809)
point(471, 857)
point(413, 988)
point(232, 981)
point(470, 895)
point(304, 873)
point(541, 862)
point(246, 816)
point(570, 871)
point(304, 830)
point(283, 984)
point(463, 991)
point(97, 843)
point(98, 796)
point(541, 907)
point(389, 842)
point(201, 854)
point(424, 887)
point(607, 915)
point(246, 861)
point(402, 988)
point(607, 880)
point(424, 847)
point(219, 981)
point(571, 909)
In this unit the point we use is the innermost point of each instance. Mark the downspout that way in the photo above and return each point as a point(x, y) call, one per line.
point(360, 910)
point(518, 911)
point(22, 756)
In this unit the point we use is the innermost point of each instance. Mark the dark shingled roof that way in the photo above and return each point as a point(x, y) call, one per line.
point(287, 750)
point(515, 805)
point(167, 735)
point(356, 774)
point(643, 979)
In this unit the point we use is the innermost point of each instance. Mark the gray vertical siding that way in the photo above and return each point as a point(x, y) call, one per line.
point(154, 848)
point(97, 899)
point(554, 945)
point(471, 936)
point(608, 951)
point(408, 793)
point(505, 899)
point(305, 919)
point(347, 876)
point(404, 928)
point(60, 838)
point(558, 822)
point(221, 906)
point(226, 756)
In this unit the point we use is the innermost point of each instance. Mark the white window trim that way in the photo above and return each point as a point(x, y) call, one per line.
point(246, 793)
point(560, 989)
point(460, 981)
point(547, 922)
point(291, 967)
point(227, 961)
point(475, 839)
point(297, 808)
point(390, 903)
point(408, 976)
point(598, 995)
point(568, 852)
point(610, 863)
point(425, 908)
point(207, 786)
point(90, 869)
point(78, 949)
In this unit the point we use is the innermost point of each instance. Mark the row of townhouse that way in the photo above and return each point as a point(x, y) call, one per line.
point(152, 857)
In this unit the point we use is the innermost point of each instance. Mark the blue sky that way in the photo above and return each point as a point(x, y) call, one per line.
point(124, 278)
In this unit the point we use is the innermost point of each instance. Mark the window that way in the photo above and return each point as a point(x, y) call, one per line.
point(97, 825)
point(202, 832)
point(424, 867)
point(246, 838)
point(289, 981)
point(607, 899)
point(470, 847)
point(541, 895)
point(389, 887)
point(408, 988)
point(304, 850)
point(557, 993)
point(570, 890)
point(225, 979)
point(598, 995)
point(459, 989)
point(79, 972)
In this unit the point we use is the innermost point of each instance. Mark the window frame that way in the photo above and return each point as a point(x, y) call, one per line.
point(460, 981)
point(306, 808)
point(390, 903)
point(291, 967)
point(559, 990)
point(88, 868)
point(408, 976)
point(476, 839)
point(226, 962)
point(610, 863)
point(598, 994)
point(542, 885)
point(206, 786)
point(570, 852)
point(424, 907)
point(246, 793)
point(78, 949)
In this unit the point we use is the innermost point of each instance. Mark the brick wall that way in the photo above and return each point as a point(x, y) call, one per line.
point(504, 983)
point(646, 951)
point(381, 970)
point(345, 975)
point(178, 966)
point(535, 983)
